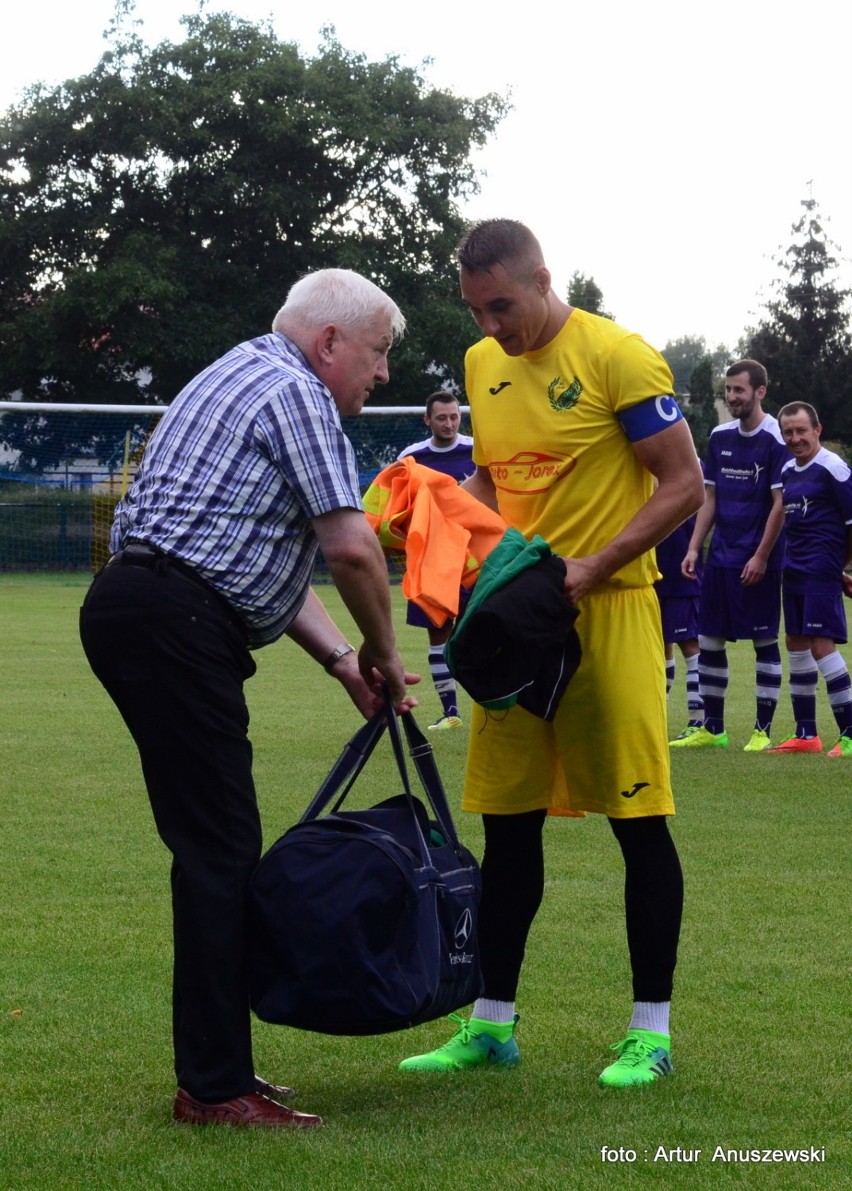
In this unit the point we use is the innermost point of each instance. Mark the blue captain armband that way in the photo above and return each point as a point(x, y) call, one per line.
point(649, 417)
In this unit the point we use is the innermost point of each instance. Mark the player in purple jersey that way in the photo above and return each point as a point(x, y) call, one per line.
point(741, 588)
point(679, 598)
point(818, 517)
point(449, 452)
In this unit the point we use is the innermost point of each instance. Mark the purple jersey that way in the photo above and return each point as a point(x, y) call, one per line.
point(670, 554)
point(817, 514)
point(743, 468)
point(455, 461)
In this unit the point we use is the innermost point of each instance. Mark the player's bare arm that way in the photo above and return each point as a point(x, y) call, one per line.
point(360, 574)
point(755, 568)
point(703, 524)
point(670, 456)
point(482, 487)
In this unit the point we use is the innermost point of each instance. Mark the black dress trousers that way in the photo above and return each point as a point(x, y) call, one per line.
point(174, 660)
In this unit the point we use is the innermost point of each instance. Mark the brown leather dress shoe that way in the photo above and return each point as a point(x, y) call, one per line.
point(254, 1110)
point(274, 1091)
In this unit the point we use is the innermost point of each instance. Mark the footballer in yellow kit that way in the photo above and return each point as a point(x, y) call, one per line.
point(554, 429)
point(577, 438)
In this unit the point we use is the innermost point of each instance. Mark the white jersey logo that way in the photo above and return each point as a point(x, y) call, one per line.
point(758, 468)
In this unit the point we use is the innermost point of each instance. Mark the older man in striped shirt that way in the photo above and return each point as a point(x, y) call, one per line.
point(213, 550)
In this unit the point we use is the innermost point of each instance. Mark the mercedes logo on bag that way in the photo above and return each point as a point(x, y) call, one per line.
point(463, 928)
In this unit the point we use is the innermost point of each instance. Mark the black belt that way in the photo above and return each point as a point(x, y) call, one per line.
point(143, 554)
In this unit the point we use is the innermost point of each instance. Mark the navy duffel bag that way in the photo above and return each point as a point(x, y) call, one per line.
point(364, 921)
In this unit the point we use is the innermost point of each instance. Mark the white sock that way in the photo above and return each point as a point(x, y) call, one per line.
point(500, 1012)
point(651, 1015)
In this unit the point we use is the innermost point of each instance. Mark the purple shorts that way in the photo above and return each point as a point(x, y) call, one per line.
point(680, 618)
point(416, 616)
point(735, 612)
point(815, 616)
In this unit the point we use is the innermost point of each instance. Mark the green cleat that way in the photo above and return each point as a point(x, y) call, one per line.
point(446, 721)
point(643, 1057)
point(688, 731)
point(843, 748)
point(700, 739)
point(476, 1043)
point(759, 741)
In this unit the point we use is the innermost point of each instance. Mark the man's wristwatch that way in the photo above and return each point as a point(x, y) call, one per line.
point(335, 656)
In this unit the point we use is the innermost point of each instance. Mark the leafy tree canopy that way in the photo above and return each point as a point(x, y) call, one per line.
point(585, 292)
point(699, 408)
point(683, 356)
point(155, 211)
point(805, 340)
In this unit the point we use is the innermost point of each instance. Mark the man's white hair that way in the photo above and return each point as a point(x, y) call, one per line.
point(335, 297)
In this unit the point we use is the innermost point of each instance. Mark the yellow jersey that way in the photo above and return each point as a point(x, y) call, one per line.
point(546, 425)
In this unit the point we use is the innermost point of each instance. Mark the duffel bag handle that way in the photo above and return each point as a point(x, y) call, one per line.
point(357, 752)
point(423, 757)
point(348, 765)
point(353, 759)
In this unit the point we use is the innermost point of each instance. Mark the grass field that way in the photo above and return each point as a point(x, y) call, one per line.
point(762, 1011)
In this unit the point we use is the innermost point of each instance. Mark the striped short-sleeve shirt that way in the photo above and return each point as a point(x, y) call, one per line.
point(246, 455)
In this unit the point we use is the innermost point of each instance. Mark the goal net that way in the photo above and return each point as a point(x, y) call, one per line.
point(63, 468)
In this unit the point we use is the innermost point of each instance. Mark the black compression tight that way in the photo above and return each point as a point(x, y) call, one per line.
point(512, 889)
point(653, 902)
point(513, 886)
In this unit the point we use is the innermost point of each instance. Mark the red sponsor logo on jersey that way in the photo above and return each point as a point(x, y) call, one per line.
point(530, 471)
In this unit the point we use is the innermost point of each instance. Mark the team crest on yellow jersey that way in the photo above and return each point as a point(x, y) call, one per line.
point(568, 398)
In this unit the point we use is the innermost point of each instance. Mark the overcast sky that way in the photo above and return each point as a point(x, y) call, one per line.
point(664, 148)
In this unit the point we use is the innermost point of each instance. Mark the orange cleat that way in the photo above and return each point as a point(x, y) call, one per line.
point(798, 744)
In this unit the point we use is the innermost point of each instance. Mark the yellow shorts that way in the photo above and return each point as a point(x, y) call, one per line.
point(606, 752)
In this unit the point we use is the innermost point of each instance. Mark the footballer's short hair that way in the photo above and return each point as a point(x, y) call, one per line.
point(757, 374)
point(442, 397)
point(799, 407)
point(499, 241)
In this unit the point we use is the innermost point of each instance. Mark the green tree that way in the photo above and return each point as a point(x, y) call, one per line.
point(805, 340)
point(699, 408)
point(155, 211)
point(683, 356)
point(585, 292)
